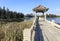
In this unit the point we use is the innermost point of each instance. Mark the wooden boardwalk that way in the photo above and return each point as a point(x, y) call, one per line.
point(50, 32)
point(42, 31)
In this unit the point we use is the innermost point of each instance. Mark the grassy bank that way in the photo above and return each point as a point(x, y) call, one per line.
point(13, 31)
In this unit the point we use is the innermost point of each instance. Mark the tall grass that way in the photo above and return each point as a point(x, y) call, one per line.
point(13, 31)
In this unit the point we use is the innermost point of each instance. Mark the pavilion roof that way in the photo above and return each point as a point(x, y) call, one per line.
point(40, 8)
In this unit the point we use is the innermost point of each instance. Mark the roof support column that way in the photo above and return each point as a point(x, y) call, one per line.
point(35, 15)
point(45, 16)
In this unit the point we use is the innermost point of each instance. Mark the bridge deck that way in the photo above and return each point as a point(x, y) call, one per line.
point(49, 31)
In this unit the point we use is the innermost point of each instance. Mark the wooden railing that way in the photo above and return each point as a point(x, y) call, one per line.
point(53, 23)
point(30, 32)
point(33, 29)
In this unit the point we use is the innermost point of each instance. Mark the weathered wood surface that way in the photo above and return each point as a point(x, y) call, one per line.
point(42, 31)
point(50, 32)
point(26, 35)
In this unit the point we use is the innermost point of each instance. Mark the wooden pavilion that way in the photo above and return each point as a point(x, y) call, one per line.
point(41, 9)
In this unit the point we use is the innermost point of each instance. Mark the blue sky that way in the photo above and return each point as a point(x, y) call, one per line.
point(26, 6)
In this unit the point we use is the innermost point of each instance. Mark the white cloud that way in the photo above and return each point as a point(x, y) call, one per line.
point(58, 9)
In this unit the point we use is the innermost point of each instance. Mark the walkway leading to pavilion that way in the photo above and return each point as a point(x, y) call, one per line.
point(42, 31)
point(49, 31)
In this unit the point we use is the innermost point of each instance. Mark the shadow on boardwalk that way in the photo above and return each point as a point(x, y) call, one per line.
point(38, 32)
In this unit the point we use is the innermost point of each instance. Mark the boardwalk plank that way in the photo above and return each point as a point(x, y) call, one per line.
point(52, 33)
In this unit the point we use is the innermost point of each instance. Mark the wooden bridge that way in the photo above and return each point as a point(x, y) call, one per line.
point(42, 31)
